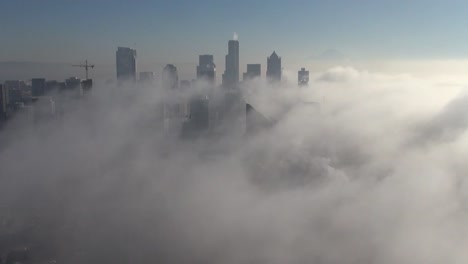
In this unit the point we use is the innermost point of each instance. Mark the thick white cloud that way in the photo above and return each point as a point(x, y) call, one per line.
point(375, 174)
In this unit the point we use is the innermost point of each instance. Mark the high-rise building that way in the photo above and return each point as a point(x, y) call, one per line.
point(173, 110)
point(274, 67)
point(146, 77)
point(253, 71)
point(16, 90)
point(231, 73)
point(206, 69)
point(52, 86)
point(38, 87)
point(146, 80)
point(126, 64)
point(199, 112)
point(170, 77)
point(303, 77)
point(255, 121)
point(73, 83)
point(43, 109)
point(3, 102)
point(86, 85)
point(185, 85)
point(15, 84)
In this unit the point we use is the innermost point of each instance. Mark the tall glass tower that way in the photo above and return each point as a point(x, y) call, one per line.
point(231, 73)
point(126, 64)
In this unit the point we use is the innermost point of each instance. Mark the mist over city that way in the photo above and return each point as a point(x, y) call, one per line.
point(233, 132)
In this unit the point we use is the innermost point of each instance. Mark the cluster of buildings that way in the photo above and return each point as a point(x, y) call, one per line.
point(126, 63)
point(190, 107)
point(191, 111)
point(39, 97)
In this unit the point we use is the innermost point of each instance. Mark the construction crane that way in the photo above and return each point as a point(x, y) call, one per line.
point(86, 66)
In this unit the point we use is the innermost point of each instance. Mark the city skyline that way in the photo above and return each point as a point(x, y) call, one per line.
point(233, 131)
point(319, 31)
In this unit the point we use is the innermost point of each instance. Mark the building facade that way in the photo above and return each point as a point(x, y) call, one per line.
point(231, 73)
point(206, 69)
point(253, 71)
point(146, 77)
point(126, 64)
point(3, 102)
point(303, 77)
point(170, 77)
point(274, 68)
point(38, 87)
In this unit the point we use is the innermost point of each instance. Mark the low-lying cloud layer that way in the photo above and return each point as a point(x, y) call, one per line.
point(373, 173)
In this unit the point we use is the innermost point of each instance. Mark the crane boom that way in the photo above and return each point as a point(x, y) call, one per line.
point(86, 66)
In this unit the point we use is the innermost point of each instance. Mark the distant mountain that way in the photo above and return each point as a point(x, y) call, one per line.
point(328, 55)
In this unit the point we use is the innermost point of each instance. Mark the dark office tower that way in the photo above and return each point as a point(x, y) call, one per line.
point(231, 73)
point(199, 113)
point(185, 85)
point(303, 77)
point(126, 64)
point(87, 85)
point(274, 67)
point(43, 109)
point(146, 80)
point(73, 83)
point(206, 69)
point(253, 71)
point(38, 87)
point(52, 86)
point(170, 77)
point(3, 102)
point(255, 121)
point(146, 77)
point(16, 89)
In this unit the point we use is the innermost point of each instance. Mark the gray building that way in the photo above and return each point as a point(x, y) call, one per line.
point(303, 77)
point(199, 112)
point(253, 71)
point(16, 90)
point(206, 69)
point(170, 77)
point(3, 102)
point(274, 67)
point(126, 64)
point(52, 86)
point(73, 83)
point(185, 85)
point(146, 77)
point(231, 73)
point(38, 87)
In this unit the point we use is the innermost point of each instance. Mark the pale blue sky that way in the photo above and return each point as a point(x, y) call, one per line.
point(177, 31)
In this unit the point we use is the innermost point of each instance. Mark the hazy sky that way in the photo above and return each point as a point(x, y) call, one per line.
point(177, 31)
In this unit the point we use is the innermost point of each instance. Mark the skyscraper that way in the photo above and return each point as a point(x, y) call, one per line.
point(146, 80)
point(16, 89)
point(303, 77)
point(126, 64)
point(173, 104)
point(206, 69)
point(73, 83)
point(3, 102)
point(146, 77)
point(38, 87)
point(274, 67)
point(185, 85)
point(253, 71)
point(170, 77)
point(231, 74)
